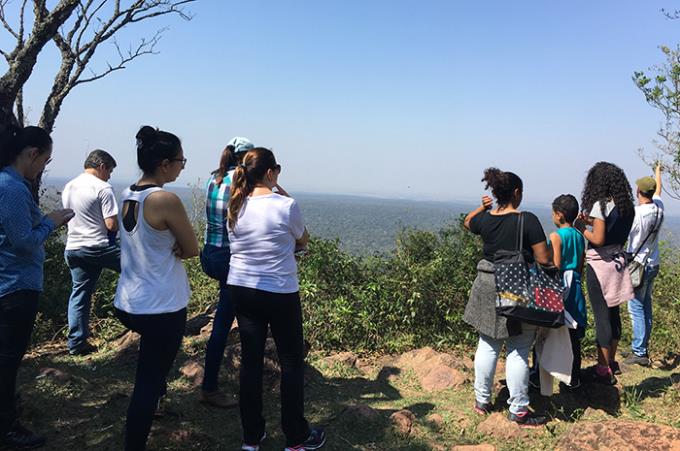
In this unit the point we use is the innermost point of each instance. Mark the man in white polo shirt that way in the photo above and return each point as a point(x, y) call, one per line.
point(643, 243)
point(90, 245)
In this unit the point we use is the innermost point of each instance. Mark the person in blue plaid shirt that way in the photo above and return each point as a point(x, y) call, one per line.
point(215, 263)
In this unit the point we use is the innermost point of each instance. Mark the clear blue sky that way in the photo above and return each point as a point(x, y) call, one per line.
point(393, 98)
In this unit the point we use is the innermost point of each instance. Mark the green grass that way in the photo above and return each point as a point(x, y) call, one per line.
point(88, 410)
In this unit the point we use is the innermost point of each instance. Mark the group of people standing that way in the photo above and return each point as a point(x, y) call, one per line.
point(253, 230)
point(608, 237)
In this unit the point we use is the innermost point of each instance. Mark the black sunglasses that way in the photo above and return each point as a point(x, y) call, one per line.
point(277, 168)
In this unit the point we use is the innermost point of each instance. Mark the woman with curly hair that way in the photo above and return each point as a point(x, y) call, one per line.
point(499, 227)
point(607, 202)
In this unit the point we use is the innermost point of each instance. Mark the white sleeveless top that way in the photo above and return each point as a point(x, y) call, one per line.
point(152, 279)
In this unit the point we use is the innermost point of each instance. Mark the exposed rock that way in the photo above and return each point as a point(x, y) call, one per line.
point(343, 358)
point(496, 425)
point(361, 413)
point(206, 330)
point(441, 378)
point(363, 365)
point(482, 447)
point(620, 436)
point(194, 372)
point(129, 342)
point(435, 370)
point(436, 420)
point(195, 324)
point(467, 362)
point(54, 374)
point(403, 421)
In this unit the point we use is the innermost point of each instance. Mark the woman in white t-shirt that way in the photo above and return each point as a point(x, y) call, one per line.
point(153, 289)
point(265, 228)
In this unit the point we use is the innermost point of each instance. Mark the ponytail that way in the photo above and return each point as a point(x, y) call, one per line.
point(249, 173)
point(227, 161)
point(15, 139)
point(240, 190)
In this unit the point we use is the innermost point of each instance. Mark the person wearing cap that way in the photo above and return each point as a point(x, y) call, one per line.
point(643, 244)
point(215, 263)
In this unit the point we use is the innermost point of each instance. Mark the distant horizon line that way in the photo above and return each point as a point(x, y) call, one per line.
point(363, 195)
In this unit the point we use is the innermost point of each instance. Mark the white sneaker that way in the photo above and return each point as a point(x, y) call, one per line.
point(246, 447)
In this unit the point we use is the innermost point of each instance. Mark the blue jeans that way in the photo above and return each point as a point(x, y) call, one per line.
point(516, 367)
point(215, 263)
point(86, 266)
point(640, 310)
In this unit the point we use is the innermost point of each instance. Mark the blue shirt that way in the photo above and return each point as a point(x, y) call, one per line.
point(23, 231)
point(572, 249)
point(571, 252)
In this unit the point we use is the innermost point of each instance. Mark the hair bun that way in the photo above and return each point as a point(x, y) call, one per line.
point(146, 135)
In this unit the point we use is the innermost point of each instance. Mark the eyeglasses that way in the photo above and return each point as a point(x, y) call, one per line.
point(183, 160)
point(277, 168)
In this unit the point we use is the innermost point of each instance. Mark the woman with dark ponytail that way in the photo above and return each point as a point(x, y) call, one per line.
point(153, 289)
point(215, 263)
point(265, 228)
point(24, 153)
point(498, 228)
point(609, 211)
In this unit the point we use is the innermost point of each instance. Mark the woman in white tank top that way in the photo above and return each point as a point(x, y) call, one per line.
point(153, 289)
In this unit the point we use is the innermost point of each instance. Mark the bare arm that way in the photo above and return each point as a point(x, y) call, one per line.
point(581, 262)
point(541, 253)
point(164, 211)
point(556, 245)
point(596, 237)
point(657, 176)
point(487, 203)
point(111, 223)
point(303, 240)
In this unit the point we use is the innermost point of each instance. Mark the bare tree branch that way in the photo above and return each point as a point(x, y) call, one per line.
point(143, 48)
point(96, 22)
point(3, 20)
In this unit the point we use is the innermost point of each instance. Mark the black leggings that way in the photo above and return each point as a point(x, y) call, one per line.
point(256, 311)
point(607, 319)
point(17, 317)
point(161, 336)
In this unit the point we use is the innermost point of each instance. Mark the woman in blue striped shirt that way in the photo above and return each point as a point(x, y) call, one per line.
point(24, 153)
point(215, 262)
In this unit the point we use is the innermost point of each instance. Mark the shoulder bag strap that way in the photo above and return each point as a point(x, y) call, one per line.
point(520, 232)
point(654, 230)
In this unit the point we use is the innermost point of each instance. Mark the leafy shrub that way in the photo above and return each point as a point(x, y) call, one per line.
point(414, 296)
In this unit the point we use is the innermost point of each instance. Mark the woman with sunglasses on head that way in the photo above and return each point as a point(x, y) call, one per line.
point(153, 289)
point(24, 153)
point(265, 228)
point(215, 263)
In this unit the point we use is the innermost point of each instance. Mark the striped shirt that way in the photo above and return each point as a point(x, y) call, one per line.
point(216, 202)
point(23, 232)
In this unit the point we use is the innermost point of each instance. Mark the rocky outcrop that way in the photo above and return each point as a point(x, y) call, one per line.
point(620, 436)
